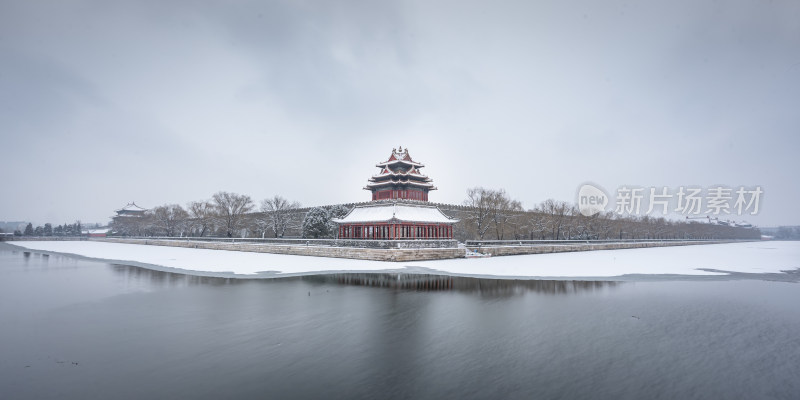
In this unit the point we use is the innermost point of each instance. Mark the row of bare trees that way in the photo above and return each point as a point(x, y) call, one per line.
point(487, 214)
point(225, 214)
point(491, 210)
point(493, 214)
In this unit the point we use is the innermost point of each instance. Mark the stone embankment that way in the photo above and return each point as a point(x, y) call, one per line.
point(408, 253)
point(376, 254)
point(509, 248)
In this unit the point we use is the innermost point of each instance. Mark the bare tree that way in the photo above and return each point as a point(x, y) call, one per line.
point(536, 223)
point(504, 212)
point(493, 208)
point(202, 215)
point(169, 219)
point(278, 214)
point(480, 201)
point(231, 209)
point(556, 212)
point(129, 225)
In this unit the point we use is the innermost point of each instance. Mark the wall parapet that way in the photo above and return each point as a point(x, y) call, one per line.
point(315, 250)
point(563, 246)
point(365, 243)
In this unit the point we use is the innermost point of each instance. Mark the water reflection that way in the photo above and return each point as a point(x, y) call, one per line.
point(429, 282)
point(394, 281)
point(387, 335)
point(168, 279)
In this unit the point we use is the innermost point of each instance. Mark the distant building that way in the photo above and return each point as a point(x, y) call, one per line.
point(129, 220)
point(131, 210)
point(398, 210)
point(97, 233)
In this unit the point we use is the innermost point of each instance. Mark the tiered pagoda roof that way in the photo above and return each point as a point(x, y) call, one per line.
point(400, 173)
point(390, 216)
point(131, 209)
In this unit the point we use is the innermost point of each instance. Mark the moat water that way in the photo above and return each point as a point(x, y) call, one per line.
point(80, 329)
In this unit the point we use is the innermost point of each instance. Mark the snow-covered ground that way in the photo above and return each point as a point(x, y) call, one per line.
point(750, 257)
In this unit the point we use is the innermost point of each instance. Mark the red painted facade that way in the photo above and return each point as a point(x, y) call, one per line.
point(419, 195)
point(390, 231)
point(400, 178)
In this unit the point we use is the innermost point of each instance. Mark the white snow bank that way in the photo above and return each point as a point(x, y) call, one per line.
point(752, 257)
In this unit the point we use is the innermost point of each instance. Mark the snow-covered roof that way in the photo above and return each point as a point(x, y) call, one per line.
point(131, 207)
point(393, 162)
point(408, 182)
point(97, 230)
point(398, 212)
point(399, 156)
point(385, 173)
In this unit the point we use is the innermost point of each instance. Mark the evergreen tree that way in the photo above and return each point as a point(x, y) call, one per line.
point(29, 229)
point(337, 211)
point(315, 224)
point(39, 231)
point(48, 229)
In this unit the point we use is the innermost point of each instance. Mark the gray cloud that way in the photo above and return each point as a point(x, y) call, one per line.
point(172, 101)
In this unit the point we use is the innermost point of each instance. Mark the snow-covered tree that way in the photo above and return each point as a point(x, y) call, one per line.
point(169, 219)
point(277, 214)
point(29, 229)
point(480, 201)
point(48, 229)
point(316, 223)
point(231, 209)
point(337, 211)
point(202, 215)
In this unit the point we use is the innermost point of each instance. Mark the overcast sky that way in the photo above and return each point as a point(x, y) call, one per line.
point(106, 102)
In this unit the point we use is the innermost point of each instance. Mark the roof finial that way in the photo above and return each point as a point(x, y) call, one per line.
point(401, 149)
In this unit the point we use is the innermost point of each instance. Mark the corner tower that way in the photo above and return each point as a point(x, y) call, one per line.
point(400, 178)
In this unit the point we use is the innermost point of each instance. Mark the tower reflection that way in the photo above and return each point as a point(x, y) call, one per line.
point(393, 281)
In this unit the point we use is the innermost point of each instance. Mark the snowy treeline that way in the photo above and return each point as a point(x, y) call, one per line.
point(225, 214)
point(48, 229)
point(231, 215)
point(485, 214)
point(492, 214)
